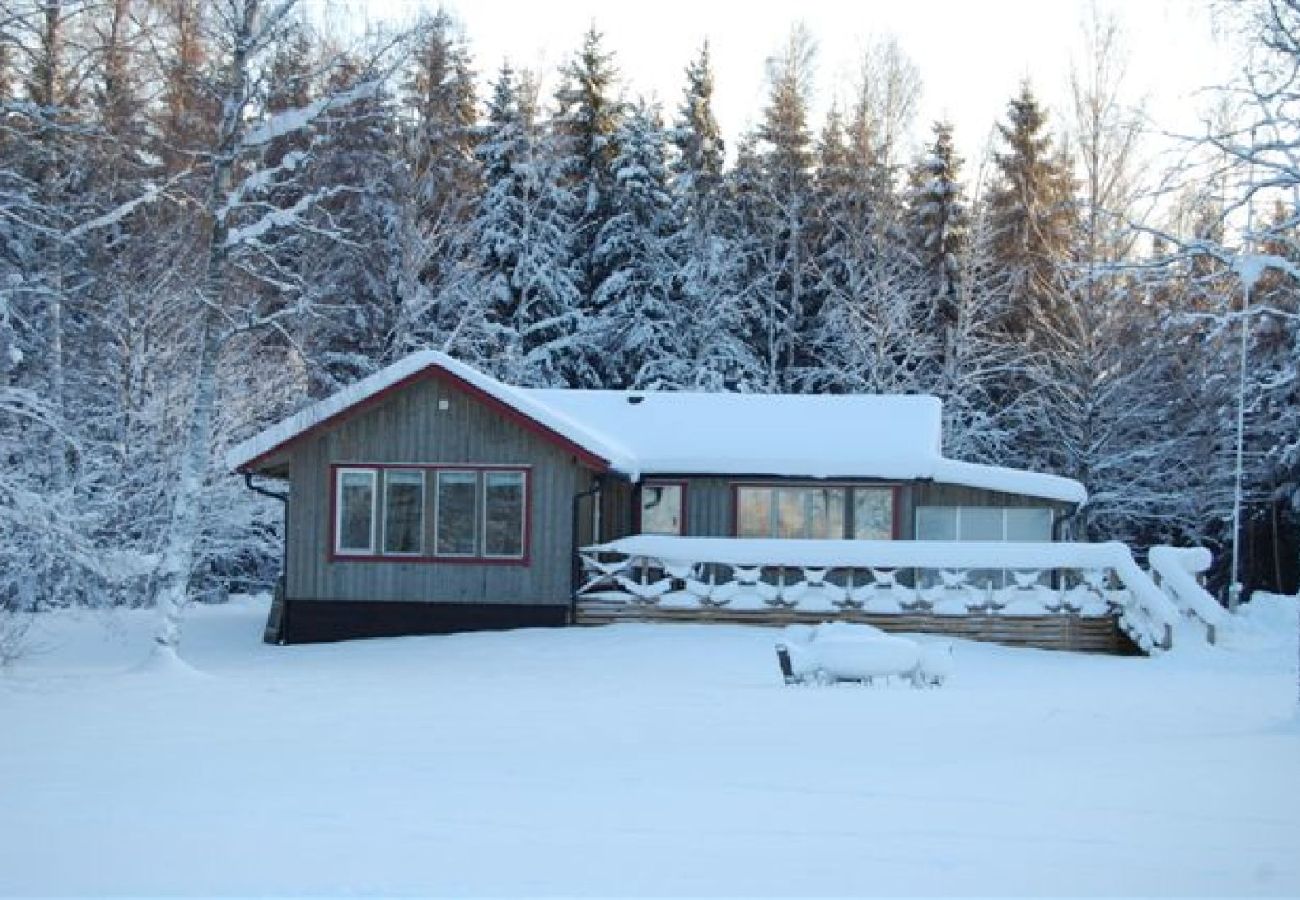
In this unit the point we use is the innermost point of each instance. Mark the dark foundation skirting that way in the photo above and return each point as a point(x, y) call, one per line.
point(313, 621)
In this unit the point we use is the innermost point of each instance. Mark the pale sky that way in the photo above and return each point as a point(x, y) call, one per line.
point(972, 54)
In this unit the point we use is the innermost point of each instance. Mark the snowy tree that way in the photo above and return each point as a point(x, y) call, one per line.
point(240, 222)
point(588, 114)
point(516, 309)
point(938, 226)
point(710, 351)
point(638, 319)
point(777, 214)
point(1031, 213)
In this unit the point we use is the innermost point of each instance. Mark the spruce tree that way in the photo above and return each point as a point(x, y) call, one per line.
point(517, 312)
point(938, 225)
point(638, 324)
point(1032, 217)
point(587, 118)
point(781, 296)
point(697, 168)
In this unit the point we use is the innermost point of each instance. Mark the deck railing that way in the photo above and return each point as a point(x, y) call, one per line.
point(936, 578)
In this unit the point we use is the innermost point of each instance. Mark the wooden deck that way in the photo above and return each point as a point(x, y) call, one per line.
point(1048, 632)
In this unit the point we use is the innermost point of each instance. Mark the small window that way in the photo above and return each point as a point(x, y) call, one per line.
point(403, 511)
point(936, 523)
point(754, 512)
point(454, 513)
point(791, 514)
point(503, 514)
point(662, 509)
point(981, 523)
point(1029, 524)
point(355, 527)
point(873, 514)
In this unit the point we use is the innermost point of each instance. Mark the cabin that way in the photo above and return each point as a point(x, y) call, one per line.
point(432, 498)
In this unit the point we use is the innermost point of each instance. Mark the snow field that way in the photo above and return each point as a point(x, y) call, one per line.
point(638, 759)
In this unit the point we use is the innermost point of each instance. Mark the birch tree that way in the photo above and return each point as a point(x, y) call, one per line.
point(239, 222)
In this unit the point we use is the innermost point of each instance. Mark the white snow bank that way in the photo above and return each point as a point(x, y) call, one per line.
point(671, 754)
point(1267, 621)
point(1178, 568)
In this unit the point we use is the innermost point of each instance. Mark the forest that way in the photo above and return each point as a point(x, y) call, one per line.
point(213, 212)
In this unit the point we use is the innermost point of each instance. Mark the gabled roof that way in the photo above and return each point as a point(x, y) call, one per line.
point(640, 433)
point(514, 402)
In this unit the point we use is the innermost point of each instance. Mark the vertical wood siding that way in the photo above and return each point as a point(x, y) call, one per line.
point(408, 427)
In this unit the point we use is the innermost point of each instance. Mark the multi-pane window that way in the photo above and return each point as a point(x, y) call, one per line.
point(662, 508)
point(803, 511)
point(434, 512)
point(983, 523)
point(355, 506)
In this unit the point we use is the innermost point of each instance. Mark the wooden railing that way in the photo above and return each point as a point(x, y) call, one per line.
point(882, 578)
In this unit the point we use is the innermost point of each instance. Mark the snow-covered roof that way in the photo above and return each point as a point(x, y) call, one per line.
point(639, 433)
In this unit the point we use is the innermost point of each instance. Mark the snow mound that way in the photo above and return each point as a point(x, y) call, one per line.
point(850, 651)
point(1267, 621)
point(164, 661)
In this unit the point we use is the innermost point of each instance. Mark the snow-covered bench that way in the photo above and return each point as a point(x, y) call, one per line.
point(842, 652)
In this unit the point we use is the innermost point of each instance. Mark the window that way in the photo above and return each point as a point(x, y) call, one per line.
point(982, 523)
point(431, 512)
point(754, 512)
point(663, 508)
point(503, 514)
point(1029, 524)
point(455, 513)
point(355, 503)
point(815, 512)
point(403, 511)
point(873, 514)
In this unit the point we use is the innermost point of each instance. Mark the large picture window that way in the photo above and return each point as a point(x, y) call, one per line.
point(663, 508)
point(815, 511)
point(431, 513)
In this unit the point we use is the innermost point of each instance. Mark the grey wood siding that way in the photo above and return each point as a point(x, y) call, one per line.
point(408, 427)
point(617, 499)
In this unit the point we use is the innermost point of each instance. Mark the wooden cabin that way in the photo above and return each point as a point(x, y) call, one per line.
point(431, 498)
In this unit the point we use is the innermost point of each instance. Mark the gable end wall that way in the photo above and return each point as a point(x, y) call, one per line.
point(408, 427)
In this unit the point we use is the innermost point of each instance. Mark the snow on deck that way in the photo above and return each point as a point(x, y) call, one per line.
point(634, 760)
point(892, 437)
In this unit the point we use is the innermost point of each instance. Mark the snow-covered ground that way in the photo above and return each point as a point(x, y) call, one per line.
point(639, 759)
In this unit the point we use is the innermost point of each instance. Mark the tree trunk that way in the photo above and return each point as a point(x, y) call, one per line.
point(185, 521)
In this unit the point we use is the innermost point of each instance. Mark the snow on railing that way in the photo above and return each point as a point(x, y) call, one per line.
point(935, 577)
point(1177, 568)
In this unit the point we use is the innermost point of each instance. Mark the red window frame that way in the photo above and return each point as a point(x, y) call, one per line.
point(895, 489)
point(429, 555)
point(663, 482)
